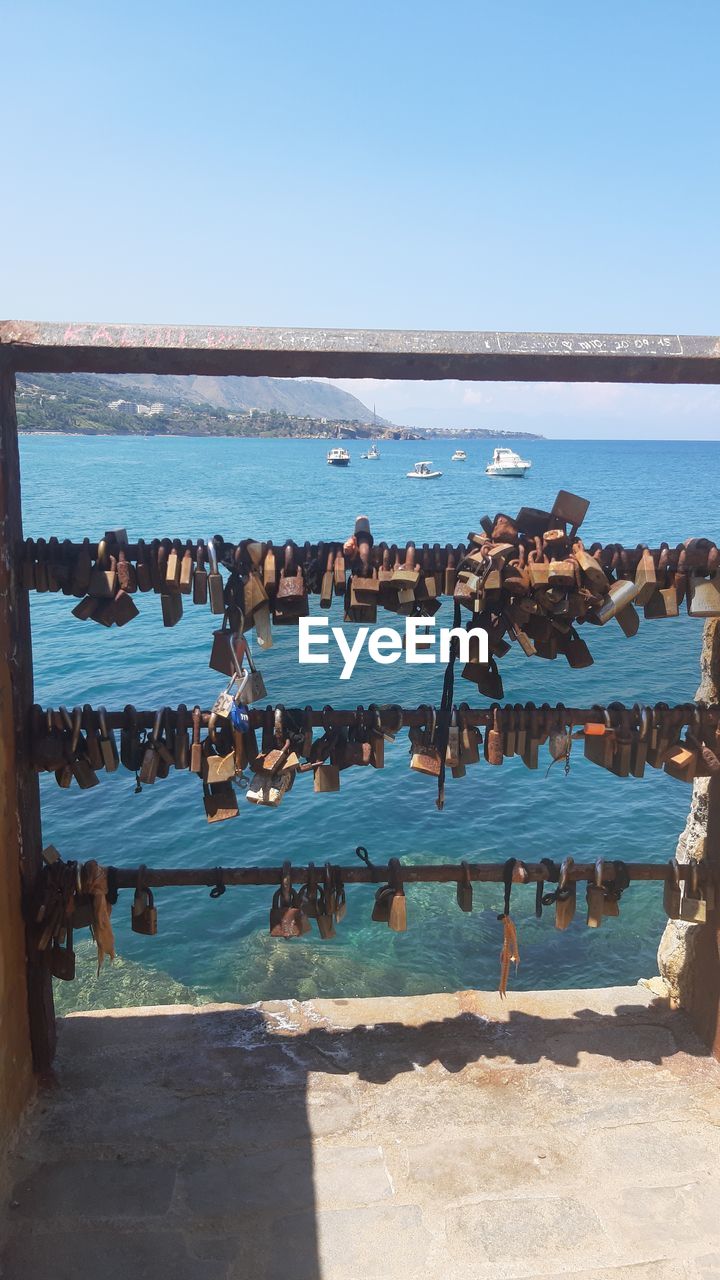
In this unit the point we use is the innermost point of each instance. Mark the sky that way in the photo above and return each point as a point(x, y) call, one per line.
point(526, 165)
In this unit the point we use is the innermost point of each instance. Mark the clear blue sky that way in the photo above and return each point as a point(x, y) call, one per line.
point(533, 164)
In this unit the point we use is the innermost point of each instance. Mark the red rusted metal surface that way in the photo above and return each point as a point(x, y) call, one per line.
point(27, 346)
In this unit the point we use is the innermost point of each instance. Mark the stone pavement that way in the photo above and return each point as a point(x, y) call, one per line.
point(566, 1133)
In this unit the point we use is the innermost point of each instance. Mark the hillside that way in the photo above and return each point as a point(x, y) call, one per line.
point(146, 404)
point(301, 398)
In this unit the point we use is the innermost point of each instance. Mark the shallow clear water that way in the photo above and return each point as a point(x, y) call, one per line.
point(221, 949)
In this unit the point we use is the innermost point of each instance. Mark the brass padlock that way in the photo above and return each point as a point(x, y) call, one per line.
point(425, 755)
point(220, 801)
point(216, 589)
point(599, 741)
point(704, 598)
point(596, 897)
point(151, 756)
point(200, 576)
point(108, 745)
point(645, 578)
point(693, 906)
point(143, 918)
point(565, 896)
point(494, 739)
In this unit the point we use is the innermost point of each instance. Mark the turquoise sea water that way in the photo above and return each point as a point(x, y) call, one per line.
point(221, 949)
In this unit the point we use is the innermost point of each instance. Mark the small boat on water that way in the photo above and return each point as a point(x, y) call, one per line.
point(338, 457)
point(506, 462)
point(459, 456)
point(372, 453)
point(423, 471)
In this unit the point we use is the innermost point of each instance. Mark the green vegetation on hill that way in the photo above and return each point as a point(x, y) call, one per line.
point(85, 403)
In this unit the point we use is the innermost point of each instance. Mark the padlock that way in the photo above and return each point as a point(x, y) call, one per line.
point(693, 906)
point(61, 959)
point(622, 751)
point(181, 744)
point(200, 576)
point(326, 778)
point(464, 888)
point(621, 594)
point(659, 741)
point(425, 755)
point(103, 578)
point(531, 738)
point(251, 686)
point(640, 741)
point(596, 897)
point(151, 756)
point(143, 917)
point(645, 578)
point(196, 752)
point(185, 580)
point(216, 589)
point(704, 597)
point(397, 914)
point(108, 745)
point(143, 576)
point(326, 586)
point(452, 752)
point(172, 608)
point(172, 567)
point(599, 741)
point(565, 896)
point(591, 569)
point(569, 508)
point(340, 897)
point(286, 917)
point(681, 762)
point(80, 766)
point(91, 730)
point(219, 762)
point(326, 906)
point(220, 801)
point(131, 741)
point(494, 739)
point(291, 598)
point(228, 646)
point(381, 905)
point(672, 891)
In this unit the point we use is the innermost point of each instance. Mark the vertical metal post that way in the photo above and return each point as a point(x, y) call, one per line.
point(20, 829)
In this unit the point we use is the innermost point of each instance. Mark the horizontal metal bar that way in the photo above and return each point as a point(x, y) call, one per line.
point(482, 872)
point(29, 346)
point(66, 551)
point(412, 717)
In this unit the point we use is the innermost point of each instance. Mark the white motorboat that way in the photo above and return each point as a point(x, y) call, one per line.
point(372, 453)
point(338, 457)
point(506, 462)
point(423, 471)
point(459, 456)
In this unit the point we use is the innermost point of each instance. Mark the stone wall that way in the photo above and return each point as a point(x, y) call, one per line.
point(688, 956)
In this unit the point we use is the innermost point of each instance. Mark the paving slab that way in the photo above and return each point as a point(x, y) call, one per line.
point(556, 1134)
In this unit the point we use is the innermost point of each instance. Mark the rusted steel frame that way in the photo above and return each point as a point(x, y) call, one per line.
point(487, 872)
point(697, 559)
point(29, 346)
point(412, 717)
point(20, 828)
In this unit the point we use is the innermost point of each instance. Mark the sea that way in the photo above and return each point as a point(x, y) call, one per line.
point(220, 949)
